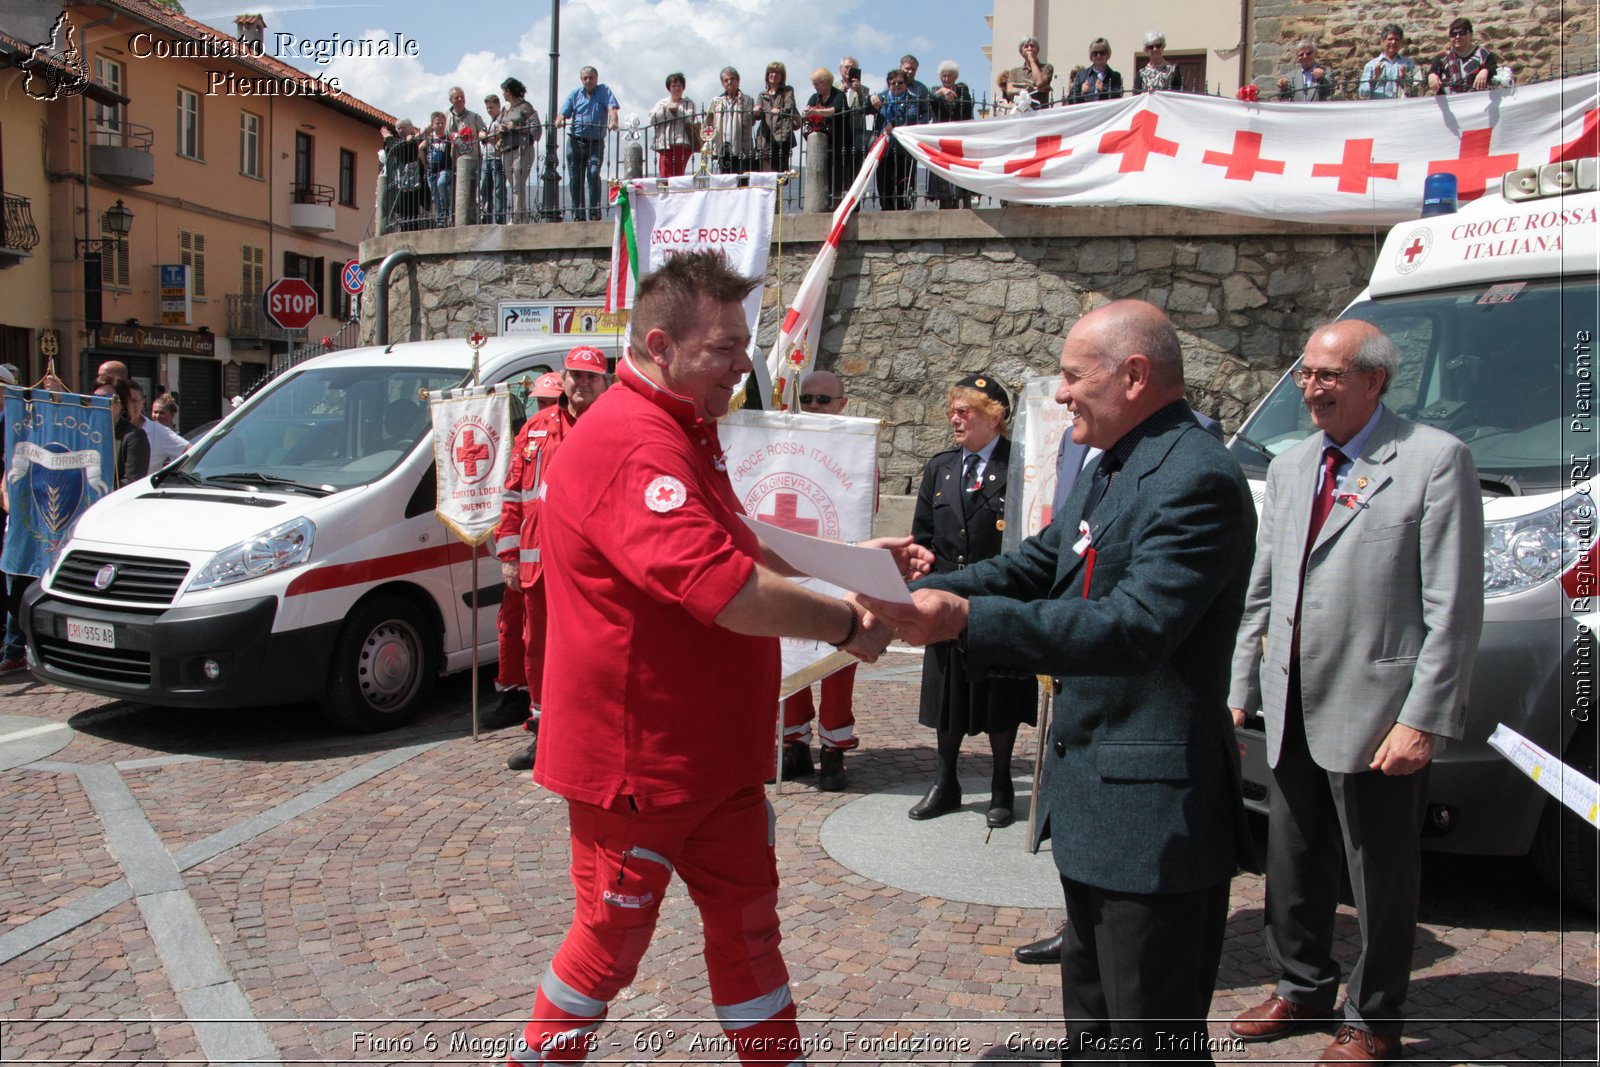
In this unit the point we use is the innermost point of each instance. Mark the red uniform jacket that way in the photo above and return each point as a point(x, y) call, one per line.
point(517, 539)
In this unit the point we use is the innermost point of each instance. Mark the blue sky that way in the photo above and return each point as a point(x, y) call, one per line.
point(633, 43)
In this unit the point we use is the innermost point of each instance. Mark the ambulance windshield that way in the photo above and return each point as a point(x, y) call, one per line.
point(336, 427)
point(1506, 368)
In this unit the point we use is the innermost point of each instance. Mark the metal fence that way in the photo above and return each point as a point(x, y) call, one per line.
point(636, 151)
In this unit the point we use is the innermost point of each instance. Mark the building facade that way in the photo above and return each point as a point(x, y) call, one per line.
point(226, 167)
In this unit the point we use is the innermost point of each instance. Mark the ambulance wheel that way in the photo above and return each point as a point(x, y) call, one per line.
point(1566, 850)
point(384, 664)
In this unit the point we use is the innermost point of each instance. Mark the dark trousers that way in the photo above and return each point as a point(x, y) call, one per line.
point(1374, 822)
point(1138, 970)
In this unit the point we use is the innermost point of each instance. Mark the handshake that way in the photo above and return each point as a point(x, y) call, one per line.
point(931, 617)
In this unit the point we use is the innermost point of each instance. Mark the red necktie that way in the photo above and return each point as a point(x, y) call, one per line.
point(1321, 505)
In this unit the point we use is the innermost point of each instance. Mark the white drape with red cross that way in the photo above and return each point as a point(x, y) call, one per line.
point(1353, 162)
point(472, 451)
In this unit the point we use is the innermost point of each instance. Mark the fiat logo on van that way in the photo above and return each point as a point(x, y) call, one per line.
point(105, 576)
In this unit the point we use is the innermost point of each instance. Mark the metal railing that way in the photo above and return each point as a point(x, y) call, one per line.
point(344, 337)
point(119, 133)
point(17, 231)
point(247, 320)
point(411, 208)
point(311, 193)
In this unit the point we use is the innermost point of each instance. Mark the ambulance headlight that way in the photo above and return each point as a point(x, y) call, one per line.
point(279, 548)
point(1524, 552)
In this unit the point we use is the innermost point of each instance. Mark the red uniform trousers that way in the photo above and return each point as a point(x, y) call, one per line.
point(533, 620)
point(622, 862)
point(513, 671)
point(838, 726)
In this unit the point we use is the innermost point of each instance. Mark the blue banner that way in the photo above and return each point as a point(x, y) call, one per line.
point(59, 459)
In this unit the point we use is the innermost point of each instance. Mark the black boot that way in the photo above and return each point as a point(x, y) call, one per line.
point(1001, 799)
point(797, 761)
point(511, 710)
point(944, 796)
point(523, 761)
point(832, 779)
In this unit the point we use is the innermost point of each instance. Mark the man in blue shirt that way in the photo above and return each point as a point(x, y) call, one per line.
point(1390, 75)
point(591, 111)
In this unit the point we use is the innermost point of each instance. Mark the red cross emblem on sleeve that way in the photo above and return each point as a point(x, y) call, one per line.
point(664, 493)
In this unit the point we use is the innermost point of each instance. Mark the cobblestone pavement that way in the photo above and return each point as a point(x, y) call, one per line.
point(255, 887)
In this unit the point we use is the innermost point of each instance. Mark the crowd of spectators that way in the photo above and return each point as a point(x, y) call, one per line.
point(737, 132)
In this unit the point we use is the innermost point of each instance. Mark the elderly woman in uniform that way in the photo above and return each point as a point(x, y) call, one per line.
point(960, 517)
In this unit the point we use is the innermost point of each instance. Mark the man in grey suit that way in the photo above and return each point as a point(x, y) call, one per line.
point(1130, 598)
point(1365, 607)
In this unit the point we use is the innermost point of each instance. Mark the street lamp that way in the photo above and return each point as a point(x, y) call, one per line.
point(119, 220)
point(550, 185)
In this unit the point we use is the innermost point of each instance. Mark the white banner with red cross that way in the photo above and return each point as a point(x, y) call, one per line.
point(1360, 161)
point(472, 452)
point(813, 474)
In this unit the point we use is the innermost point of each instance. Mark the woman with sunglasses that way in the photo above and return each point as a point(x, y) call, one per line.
point(1157, 73)
point(1097, 81)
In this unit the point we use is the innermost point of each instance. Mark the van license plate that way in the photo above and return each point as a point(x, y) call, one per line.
point(91, 633)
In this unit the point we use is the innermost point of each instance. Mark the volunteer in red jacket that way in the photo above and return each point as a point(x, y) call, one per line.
point(661, 691)
point(583, 379)
point(511, 678)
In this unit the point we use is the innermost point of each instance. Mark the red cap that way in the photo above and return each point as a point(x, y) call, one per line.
point(587, 357)
point(548, 385)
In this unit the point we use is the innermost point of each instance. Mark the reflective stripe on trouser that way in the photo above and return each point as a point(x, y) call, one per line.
point(622, 862)
point(533, 621)
point(836, 722)
point(512, 672)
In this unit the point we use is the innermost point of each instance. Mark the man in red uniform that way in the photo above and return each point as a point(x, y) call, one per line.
point(821, 393)
point(511, 679)
point(516, 544)
point(662, 687)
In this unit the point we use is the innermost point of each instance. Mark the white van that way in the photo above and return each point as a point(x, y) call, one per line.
point(1496, 311)
point(293, 555)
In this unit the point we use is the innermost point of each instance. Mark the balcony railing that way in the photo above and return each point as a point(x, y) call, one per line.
point(18, 235)
point(119, 152)
point(247, 320)
point(309, 193)
point(311, 207)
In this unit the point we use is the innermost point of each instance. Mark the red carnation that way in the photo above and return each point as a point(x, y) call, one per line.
point(1248, 93)
point(466, 133)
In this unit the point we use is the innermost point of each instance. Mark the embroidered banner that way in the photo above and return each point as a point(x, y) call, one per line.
point(814, 474)
point(1360, 161)
point(472, 452)
point(58, 460)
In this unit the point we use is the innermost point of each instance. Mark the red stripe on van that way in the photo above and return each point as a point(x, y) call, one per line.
point(375, 570)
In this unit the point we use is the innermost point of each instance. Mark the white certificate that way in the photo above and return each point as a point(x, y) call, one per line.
point(869, 571)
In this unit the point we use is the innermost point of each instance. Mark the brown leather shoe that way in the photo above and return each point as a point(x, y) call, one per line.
point(1273, 1018)
point(1351, 1045)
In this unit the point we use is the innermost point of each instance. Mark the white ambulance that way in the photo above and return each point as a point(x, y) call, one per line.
point(1496, 312)
point(293, 555)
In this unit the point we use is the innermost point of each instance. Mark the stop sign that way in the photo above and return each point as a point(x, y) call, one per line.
point(291, 303)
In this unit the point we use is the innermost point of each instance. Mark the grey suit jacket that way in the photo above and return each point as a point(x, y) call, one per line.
point(1141, 789)
point(1393, 595)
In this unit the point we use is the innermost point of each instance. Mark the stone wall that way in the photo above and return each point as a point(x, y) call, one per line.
point(1538, 39)
point(919, 301)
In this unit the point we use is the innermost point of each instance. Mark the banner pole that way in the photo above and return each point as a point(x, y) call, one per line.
point(1046, 706)
point(474, 573)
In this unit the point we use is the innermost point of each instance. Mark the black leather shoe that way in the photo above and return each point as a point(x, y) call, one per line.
point(523, 761)
point(940, 800)
point(1000, 804)
point(1045, 951)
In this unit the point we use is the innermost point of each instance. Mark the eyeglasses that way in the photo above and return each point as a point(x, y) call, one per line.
point(817, 398)
point(1098, 52)
point(1460, 33)
point(1323, 377)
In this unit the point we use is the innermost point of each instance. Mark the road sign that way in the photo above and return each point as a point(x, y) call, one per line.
point(291, 303)
point(353, 277)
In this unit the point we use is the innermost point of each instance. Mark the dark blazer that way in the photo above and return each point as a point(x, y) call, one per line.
point(1085, 87)
point(961, 528)
point(1141, 789)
